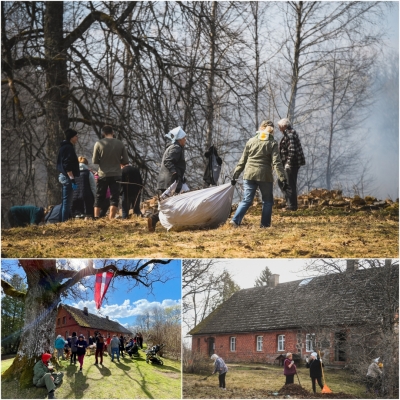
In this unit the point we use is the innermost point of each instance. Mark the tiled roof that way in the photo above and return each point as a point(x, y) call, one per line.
point(93, 321)
point(349, 298)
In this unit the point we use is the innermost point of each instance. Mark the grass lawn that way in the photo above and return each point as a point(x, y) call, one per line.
point(302, 234)
point(257, 381)
point(127, 379)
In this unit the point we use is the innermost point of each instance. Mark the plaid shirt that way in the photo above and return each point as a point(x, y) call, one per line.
point(290, 149)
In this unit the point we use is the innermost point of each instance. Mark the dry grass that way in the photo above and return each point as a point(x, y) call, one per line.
point(308, 234)
point(255, 381)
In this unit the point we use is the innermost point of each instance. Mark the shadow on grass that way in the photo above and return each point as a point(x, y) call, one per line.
point(78, 386)
point(166, 368)
point(70, 370)
point(122, 366)
point(103, 370)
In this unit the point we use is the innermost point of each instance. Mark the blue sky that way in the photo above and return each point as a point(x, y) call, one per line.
point(121, 304)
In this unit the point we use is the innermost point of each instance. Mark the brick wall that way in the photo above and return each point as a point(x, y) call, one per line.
point(295, 342)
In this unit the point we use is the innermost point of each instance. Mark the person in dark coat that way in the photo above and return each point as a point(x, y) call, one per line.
point(68, 166)
point(315, 365)
point(292, 157)
point(81, 345)
point(83, 197)
point(289, 368)
point(121, 345)
point(74, 349)
point(131, 189)
point(25, 215)
point(99, 347)
point(173, 167)
point(44, 375)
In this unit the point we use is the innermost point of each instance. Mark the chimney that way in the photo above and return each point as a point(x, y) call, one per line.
point(351, 265)
point(273, 281)
point(106, 316)
point(85, 311)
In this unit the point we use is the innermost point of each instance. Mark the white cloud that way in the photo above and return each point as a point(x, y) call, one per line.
point(126, 309)
point(79, 263)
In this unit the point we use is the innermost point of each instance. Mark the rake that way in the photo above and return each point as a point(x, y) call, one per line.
point(325, 388)
point(203, 379)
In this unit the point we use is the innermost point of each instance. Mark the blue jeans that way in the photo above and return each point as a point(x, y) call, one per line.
point(267, 196)
point(114, 350)
point(67, 194)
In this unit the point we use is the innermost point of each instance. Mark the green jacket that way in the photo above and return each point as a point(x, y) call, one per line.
point(39, 370)
point(259, 156)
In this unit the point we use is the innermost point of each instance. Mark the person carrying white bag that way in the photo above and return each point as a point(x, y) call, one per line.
point(173, 166)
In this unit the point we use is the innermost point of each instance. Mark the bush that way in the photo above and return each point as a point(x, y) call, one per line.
point(194, 362)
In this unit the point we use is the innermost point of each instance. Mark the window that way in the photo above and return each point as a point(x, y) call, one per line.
point(64, 320)
point(58, 321)
point(310, 341)
point(198, 344)
point(233, 344)
point(66, 335)
point(259, 343)
point(281, 343)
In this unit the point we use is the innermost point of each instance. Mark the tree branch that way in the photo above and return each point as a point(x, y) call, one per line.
point(9, 290)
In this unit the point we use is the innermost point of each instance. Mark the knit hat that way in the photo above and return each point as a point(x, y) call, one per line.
point(176, 134)
point(58, 336)
point(46, 357)
point(314, 354)
point(81, 336)
point(376, 359)
point(69, 134)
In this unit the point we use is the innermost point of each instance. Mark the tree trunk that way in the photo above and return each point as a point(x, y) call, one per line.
point(56, 93)
point(331, 129)
point(296, 63)
point(38, 333)
point(210, 86)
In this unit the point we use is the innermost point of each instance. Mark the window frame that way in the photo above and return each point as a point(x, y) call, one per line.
point(281, 340)
point(310, 342)
point(232, 343)
point(258, 341)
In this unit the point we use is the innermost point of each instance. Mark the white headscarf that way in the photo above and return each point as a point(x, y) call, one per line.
point(176, 134)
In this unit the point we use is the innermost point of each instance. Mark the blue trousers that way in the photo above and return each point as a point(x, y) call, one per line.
point(250, 187)
point(67, 194)
point(114, 350)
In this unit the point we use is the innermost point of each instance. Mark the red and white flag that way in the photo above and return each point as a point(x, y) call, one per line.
point(102, 283)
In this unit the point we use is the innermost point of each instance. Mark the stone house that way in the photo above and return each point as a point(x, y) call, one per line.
point(336, 314)
point(71, 319)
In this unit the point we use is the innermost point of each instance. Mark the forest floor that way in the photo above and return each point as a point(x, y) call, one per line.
point(252, 381)
point(309, 233)
point(127, 379)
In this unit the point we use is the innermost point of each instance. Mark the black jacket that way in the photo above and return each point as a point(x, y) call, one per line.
point(173, 161)
point(315, 368)
point(82, 198)
point(131, 174)
point(67, 159)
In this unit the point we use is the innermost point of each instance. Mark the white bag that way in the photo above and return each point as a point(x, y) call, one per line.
point(205, 208)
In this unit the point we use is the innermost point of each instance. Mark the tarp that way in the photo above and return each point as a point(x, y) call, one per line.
point(205, 208)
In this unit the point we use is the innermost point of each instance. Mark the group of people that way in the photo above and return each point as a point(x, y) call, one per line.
point(260, 156)
point(75, 347)
point(313, 363)
point(81, 196)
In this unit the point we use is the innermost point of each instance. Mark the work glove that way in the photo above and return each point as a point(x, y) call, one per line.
point(74, 185)
point(287, 166)
point(284, 186)
point(233, 182)
point(306, 359)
